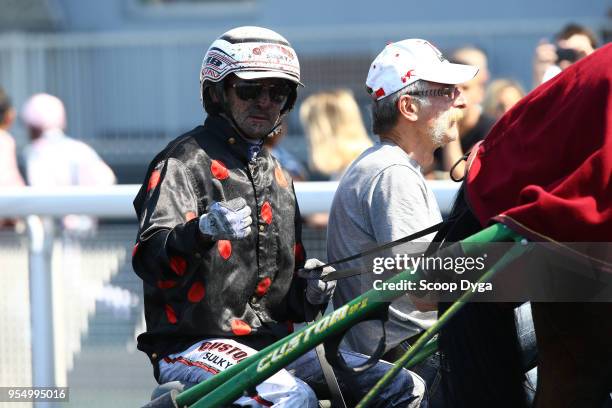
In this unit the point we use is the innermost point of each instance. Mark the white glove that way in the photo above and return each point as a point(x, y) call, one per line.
point(317, 291)
point(227, 219)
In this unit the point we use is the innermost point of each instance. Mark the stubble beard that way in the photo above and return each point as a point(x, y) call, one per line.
point(442, 125)
point(254, 131)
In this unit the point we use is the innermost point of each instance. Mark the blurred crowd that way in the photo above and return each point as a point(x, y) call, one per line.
point(331, 121)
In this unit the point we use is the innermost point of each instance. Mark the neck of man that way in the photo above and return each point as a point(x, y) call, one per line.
point(417, 146)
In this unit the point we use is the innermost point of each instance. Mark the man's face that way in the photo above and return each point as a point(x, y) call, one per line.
point(256, 104)
point(577, 42)
point(442, 114)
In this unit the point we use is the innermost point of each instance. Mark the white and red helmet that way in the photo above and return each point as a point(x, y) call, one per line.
point(250, 53)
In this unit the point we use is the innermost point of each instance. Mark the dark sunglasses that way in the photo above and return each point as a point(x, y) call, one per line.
point(449, 91)
point(278, 92)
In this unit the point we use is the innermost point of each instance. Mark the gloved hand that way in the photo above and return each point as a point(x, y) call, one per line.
point(317, 291)
point(227, 219)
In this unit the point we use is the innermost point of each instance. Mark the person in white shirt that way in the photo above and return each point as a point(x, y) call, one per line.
point(56, 160)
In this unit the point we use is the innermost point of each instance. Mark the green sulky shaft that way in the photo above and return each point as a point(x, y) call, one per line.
point(513, 253)
point(284, 351)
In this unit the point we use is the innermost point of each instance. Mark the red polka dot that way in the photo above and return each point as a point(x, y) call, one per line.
point(166, 284)
point(290, 327)
point(298, 250)
point(153, 180)
point(280, 177)
point(240, 327)
point(190, 216)
point(266, 212)
point(135, 249)
point(178, 265)
point(263, 286)
point(218, 170)
point(225, 248)
point(196, 292)
point(170, 314)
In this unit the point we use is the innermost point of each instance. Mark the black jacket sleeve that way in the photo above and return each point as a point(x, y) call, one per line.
point(168, 235)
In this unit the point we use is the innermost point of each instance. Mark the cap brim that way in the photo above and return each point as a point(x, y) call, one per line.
point(266, 74)
point(448, 73)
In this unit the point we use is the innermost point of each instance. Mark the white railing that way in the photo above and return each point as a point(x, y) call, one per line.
point(116, 201)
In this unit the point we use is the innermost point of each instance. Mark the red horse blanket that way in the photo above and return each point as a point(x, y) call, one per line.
point(545, 169)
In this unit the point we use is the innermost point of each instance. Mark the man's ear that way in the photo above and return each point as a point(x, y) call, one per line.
point(408, 108)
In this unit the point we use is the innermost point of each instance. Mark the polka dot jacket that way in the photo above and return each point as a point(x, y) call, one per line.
point(195, 288)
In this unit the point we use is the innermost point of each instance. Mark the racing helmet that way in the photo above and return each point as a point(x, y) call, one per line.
point(249, 53)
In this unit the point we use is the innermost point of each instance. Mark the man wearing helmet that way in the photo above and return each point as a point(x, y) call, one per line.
point(220, 235)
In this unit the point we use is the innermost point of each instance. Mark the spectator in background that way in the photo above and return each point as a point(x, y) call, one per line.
point(501, 95)
point(474, 125)
point(335, 131)
point(9, 173)
point(572, 43)
point(285, 158)
point(336, 136)
point(56, 160)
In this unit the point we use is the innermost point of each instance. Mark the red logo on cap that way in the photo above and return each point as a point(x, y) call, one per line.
point(408, 75)
point(379, 93)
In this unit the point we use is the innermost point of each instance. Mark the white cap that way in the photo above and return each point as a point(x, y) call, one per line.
point(404, 62)
point(45, 112)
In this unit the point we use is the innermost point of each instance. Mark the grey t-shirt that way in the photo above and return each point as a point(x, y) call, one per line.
point(381, 197)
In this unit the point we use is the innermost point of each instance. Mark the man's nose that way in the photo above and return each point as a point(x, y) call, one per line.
point(263, 99)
